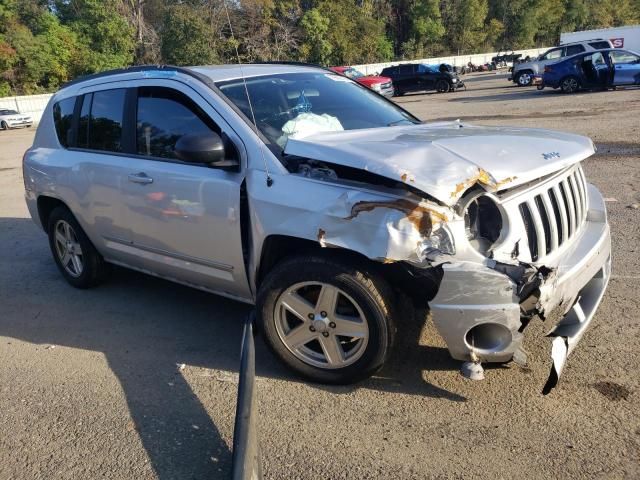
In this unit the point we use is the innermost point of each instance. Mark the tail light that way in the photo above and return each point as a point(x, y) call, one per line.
point(24, 177)
point(548, 69)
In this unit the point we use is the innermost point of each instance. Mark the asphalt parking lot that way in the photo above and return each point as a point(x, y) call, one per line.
point(137, 378)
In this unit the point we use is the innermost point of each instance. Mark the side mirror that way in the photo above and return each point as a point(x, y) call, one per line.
point(204, 148)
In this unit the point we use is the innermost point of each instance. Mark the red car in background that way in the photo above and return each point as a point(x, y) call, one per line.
point(382, 85)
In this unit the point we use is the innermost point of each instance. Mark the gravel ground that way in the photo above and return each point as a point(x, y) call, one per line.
point(91, 384)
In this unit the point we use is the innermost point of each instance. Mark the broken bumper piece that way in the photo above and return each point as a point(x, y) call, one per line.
point(478, 308)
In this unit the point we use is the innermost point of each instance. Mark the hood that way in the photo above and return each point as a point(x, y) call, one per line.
point(372, 80)
point(443, 160)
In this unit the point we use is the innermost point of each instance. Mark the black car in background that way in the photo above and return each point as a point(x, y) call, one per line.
point(415, 77)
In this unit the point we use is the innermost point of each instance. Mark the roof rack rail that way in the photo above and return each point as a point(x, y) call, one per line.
point(137, 68)
point(289, 62)
point(582, 41)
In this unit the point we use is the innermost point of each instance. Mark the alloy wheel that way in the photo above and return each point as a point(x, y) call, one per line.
point(570, 85)
point(321, 325)
point(524, 79)
point(68, 248)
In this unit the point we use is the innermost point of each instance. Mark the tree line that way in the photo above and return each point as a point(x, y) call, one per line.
point(44, 43)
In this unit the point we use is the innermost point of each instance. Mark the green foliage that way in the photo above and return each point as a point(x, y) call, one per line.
point(186, 38)
point(44, 43)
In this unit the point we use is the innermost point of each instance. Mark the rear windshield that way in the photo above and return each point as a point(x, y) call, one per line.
point(295, 105)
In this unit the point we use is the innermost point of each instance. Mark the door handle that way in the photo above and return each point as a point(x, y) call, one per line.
point(140, 178)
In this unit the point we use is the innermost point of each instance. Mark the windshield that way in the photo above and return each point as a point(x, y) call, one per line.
point(353, 73)
point(295, 105)
point(8, 112)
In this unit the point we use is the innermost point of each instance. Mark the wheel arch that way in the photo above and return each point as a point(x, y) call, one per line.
point(420, 285)
point(46, 205)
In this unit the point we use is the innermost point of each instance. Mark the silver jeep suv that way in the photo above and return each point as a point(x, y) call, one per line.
point(523, 73)
point(324, 204)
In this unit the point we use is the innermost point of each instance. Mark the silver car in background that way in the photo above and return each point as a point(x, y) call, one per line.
point(325, 205)
point(523, 72)
point(12, 119)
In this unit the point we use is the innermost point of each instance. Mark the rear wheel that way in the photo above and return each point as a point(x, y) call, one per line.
point(570, 85)
point(76, 257)
point(442, 86)
point(330, 321)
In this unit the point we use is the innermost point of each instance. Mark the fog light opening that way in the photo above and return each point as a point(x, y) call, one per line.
point(488, 337)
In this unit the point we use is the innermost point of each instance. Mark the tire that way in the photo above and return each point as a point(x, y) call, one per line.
point(397, 92)
point(84, 267)
point(360, 295)
point(569, 85)
point(442, 86)
point(524, 79)
point(4, 126)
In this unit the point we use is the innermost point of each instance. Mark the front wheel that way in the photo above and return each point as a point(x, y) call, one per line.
point(330, 321)
point(524, 79)
point(570, 85)
point(442, 86)
point(4, 126)
point(397, 92)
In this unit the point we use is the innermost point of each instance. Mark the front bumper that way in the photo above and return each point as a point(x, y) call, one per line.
point(19, 123)
point(473, 295)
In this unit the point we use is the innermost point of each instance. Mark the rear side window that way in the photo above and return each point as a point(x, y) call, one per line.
point(100, 122)
point(574, 50)
point(599, 45)
point(406, 69)
point(165, 115)
point(62, 118)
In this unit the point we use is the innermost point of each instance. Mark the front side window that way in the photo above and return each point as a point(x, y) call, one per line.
point(62, 118)
point(300, 104)
point(165, 115)
point(620, 56)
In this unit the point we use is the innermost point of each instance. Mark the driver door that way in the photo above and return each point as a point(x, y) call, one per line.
point(184, 218)
point(626, 67)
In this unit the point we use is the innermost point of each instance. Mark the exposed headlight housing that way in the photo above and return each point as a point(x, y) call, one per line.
point(483, 223)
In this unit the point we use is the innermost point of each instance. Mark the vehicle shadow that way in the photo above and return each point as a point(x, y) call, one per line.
point(145, 327)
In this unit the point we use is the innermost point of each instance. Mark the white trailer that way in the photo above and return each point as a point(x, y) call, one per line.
point(627, 37)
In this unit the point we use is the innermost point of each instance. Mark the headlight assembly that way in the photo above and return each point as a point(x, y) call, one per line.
point(483, 222)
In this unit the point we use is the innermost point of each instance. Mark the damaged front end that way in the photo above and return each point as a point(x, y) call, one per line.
point(507, 248)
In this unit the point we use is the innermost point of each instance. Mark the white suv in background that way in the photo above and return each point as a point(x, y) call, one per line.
point(523, 73)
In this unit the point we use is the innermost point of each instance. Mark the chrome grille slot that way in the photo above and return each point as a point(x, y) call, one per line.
point(552, 216)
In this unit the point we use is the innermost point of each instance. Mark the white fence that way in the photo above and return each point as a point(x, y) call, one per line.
point(30, 104)
point(34, 104)
point(457, 60)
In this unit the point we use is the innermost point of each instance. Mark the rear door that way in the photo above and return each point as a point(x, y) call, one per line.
point(626, 67)
point(185, 218)
point(408, 78)
point(96, 175)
